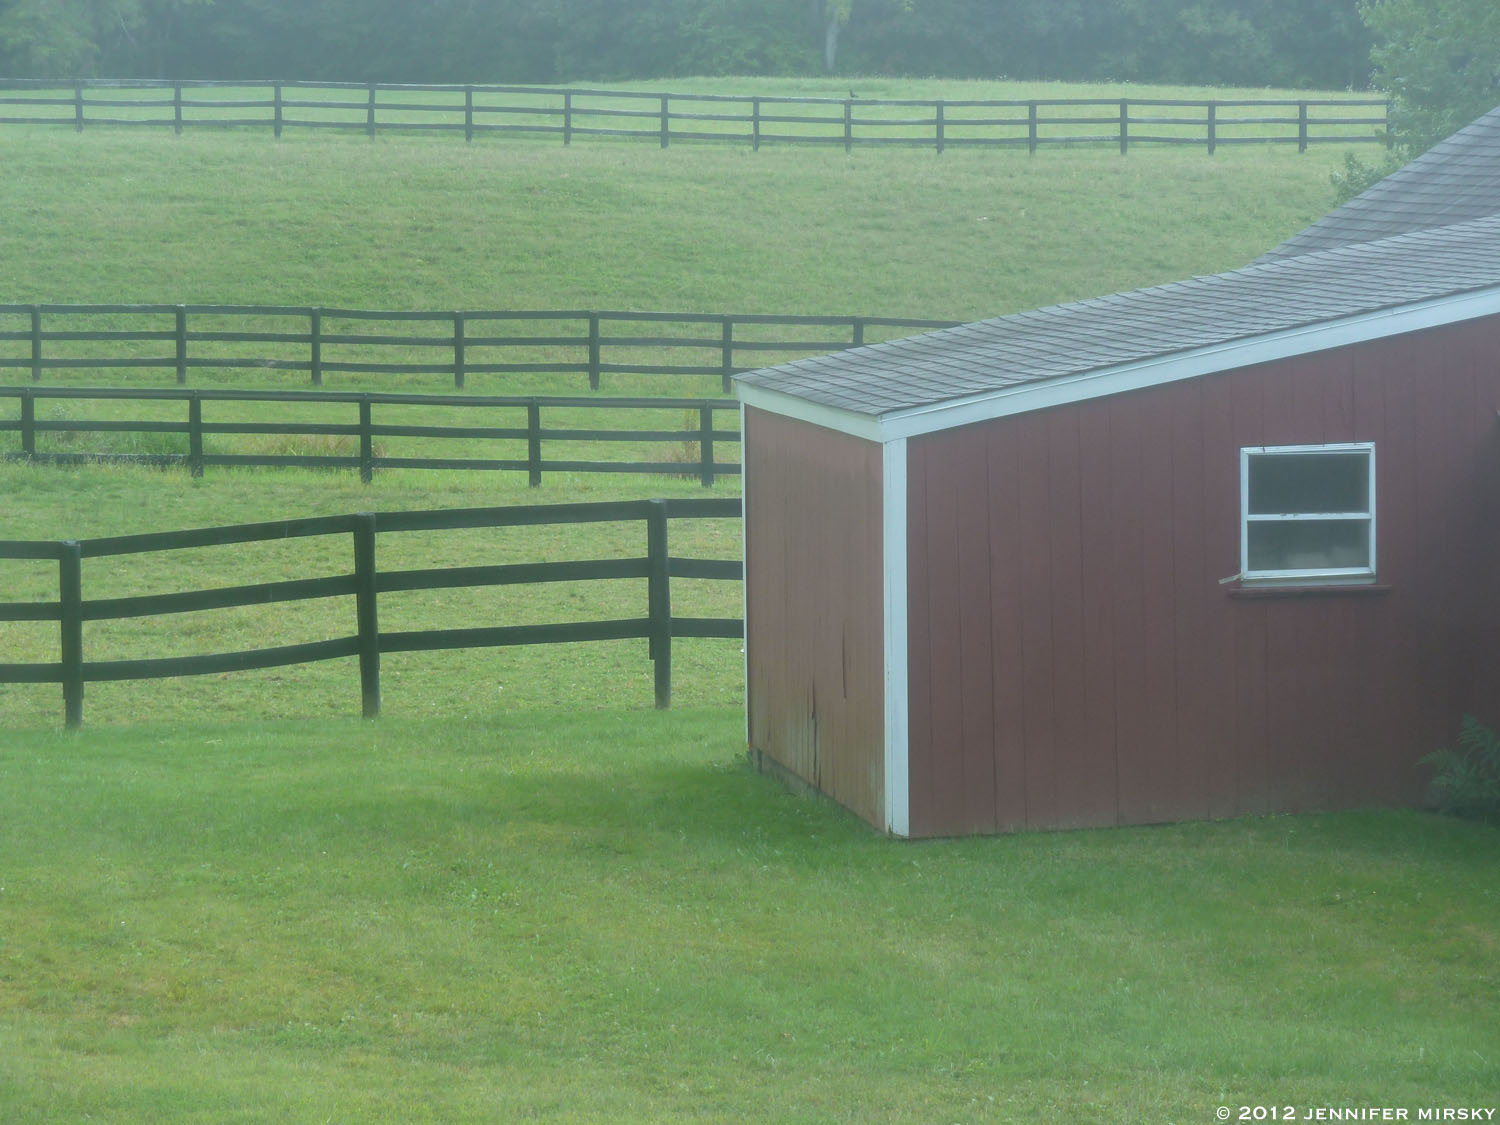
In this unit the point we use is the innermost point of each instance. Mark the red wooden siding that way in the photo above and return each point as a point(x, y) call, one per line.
point(1075, 659)
point(814, 607)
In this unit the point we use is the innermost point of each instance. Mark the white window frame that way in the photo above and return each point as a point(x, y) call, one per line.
point(1331, 575)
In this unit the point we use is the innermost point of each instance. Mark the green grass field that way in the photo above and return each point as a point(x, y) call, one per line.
point(524, 893)
point(426, 222)
point(609, 917)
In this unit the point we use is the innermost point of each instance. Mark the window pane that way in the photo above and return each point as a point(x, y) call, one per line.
point(1282, 483)
point(1309, 544)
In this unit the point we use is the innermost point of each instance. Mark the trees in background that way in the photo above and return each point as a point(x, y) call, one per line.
point(1311, 43)
point(1316, 43)
point(1440, 61)
point(79, 37)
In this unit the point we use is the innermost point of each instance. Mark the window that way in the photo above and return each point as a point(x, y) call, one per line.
point(1307, 513)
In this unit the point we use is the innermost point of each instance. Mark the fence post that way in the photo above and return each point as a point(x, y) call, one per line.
point(1124, 126)
point(458, 351)
point(28, 424)
point(36, 343)
point(726, 361)
point(315, 335)
point(366, 617)
point(659, 600)
point(177, 108)
point(567, 117)
point(593, 351)
point(848, 124)
point(78, 106)
point(665, 121)
point(1301, 126)
point(70, 599)
point(755, 124)
point(366, 442)
point(181, 333)
point(468, 113)
point(276, 113)
point(1031, 128)
point(858, 337)
point(533, 443)
point(195, 435)
point(938, 118)
point(370, 114)
point(706, 445)
point(1213, 127)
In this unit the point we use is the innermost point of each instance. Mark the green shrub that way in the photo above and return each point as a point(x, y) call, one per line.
point(1356, 176)
point(1467, 782)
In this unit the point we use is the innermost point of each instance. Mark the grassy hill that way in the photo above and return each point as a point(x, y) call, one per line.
point(427, 222)
point(524, 893)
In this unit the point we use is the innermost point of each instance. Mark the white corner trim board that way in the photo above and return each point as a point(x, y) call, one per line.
point(893, 572)
point(744, 586)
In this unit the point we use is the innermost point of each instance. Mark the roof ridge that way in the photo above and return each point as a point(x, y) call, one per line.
point(1455, 180)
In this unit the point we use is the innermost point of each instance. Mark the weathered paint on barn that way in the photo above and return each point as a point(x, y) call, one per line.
point(1075, 659)
point(813, 607)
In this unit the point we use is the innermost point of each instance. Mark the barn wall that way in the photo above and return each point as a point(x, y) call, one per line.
point(814, 597)
point(1075, 659)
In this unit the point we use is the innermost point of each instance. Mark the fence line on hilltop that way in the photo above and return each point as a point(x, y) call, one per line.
point(365, 584)
point(567, 113)
point(698, 441)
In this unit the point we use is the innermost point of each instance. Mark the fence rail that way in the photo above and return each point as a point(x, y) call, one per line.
point(322, 341)
point(664, 118)
point(365, 584)
point(699, 444)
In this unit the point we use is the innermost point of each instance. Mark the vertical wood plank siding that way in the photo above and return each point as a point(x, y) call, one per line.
point(813, 594)
point(1076, 660)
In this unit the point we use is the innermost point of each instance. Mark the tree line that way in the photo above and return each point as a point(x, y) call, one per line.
point(1297, 43)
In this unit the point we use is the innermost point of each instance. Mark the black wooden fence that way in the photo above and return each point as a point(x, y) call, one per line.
point(321, 341)
point(567, 113)
point(696, 445)
point(368, 642)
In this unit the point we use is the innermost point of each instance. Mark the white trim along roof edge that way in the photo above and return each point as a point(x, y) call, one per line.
point(851, 422)
point(1038, 394)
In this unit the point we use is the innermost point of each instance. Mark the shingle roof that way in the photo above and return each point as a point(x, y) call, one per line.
point(1084, 336)
point(1428, 231)
point(1453, 182)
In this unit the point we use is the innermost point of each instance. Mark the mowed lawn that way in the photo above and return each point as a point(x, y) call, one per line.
point(427, 222)
point(522, 891)
point(610, 917)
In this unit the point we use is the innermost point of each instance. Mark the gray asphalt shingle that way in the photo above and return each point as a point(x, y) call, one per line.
point(1146, 323)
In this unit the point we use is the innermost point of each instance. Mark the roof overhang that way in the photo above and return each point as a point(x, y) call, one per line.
point(1039, 394)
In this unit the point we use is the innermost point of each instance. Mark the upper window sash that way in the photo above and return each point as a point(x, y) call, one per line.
point(1291, 575)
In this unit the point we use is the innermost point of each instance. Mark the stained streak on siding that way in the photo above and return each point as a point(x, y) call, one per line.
point(814, 607)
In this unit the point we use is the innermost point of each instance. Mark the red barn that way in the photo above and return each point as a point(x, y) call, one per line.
point(1219, 547)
